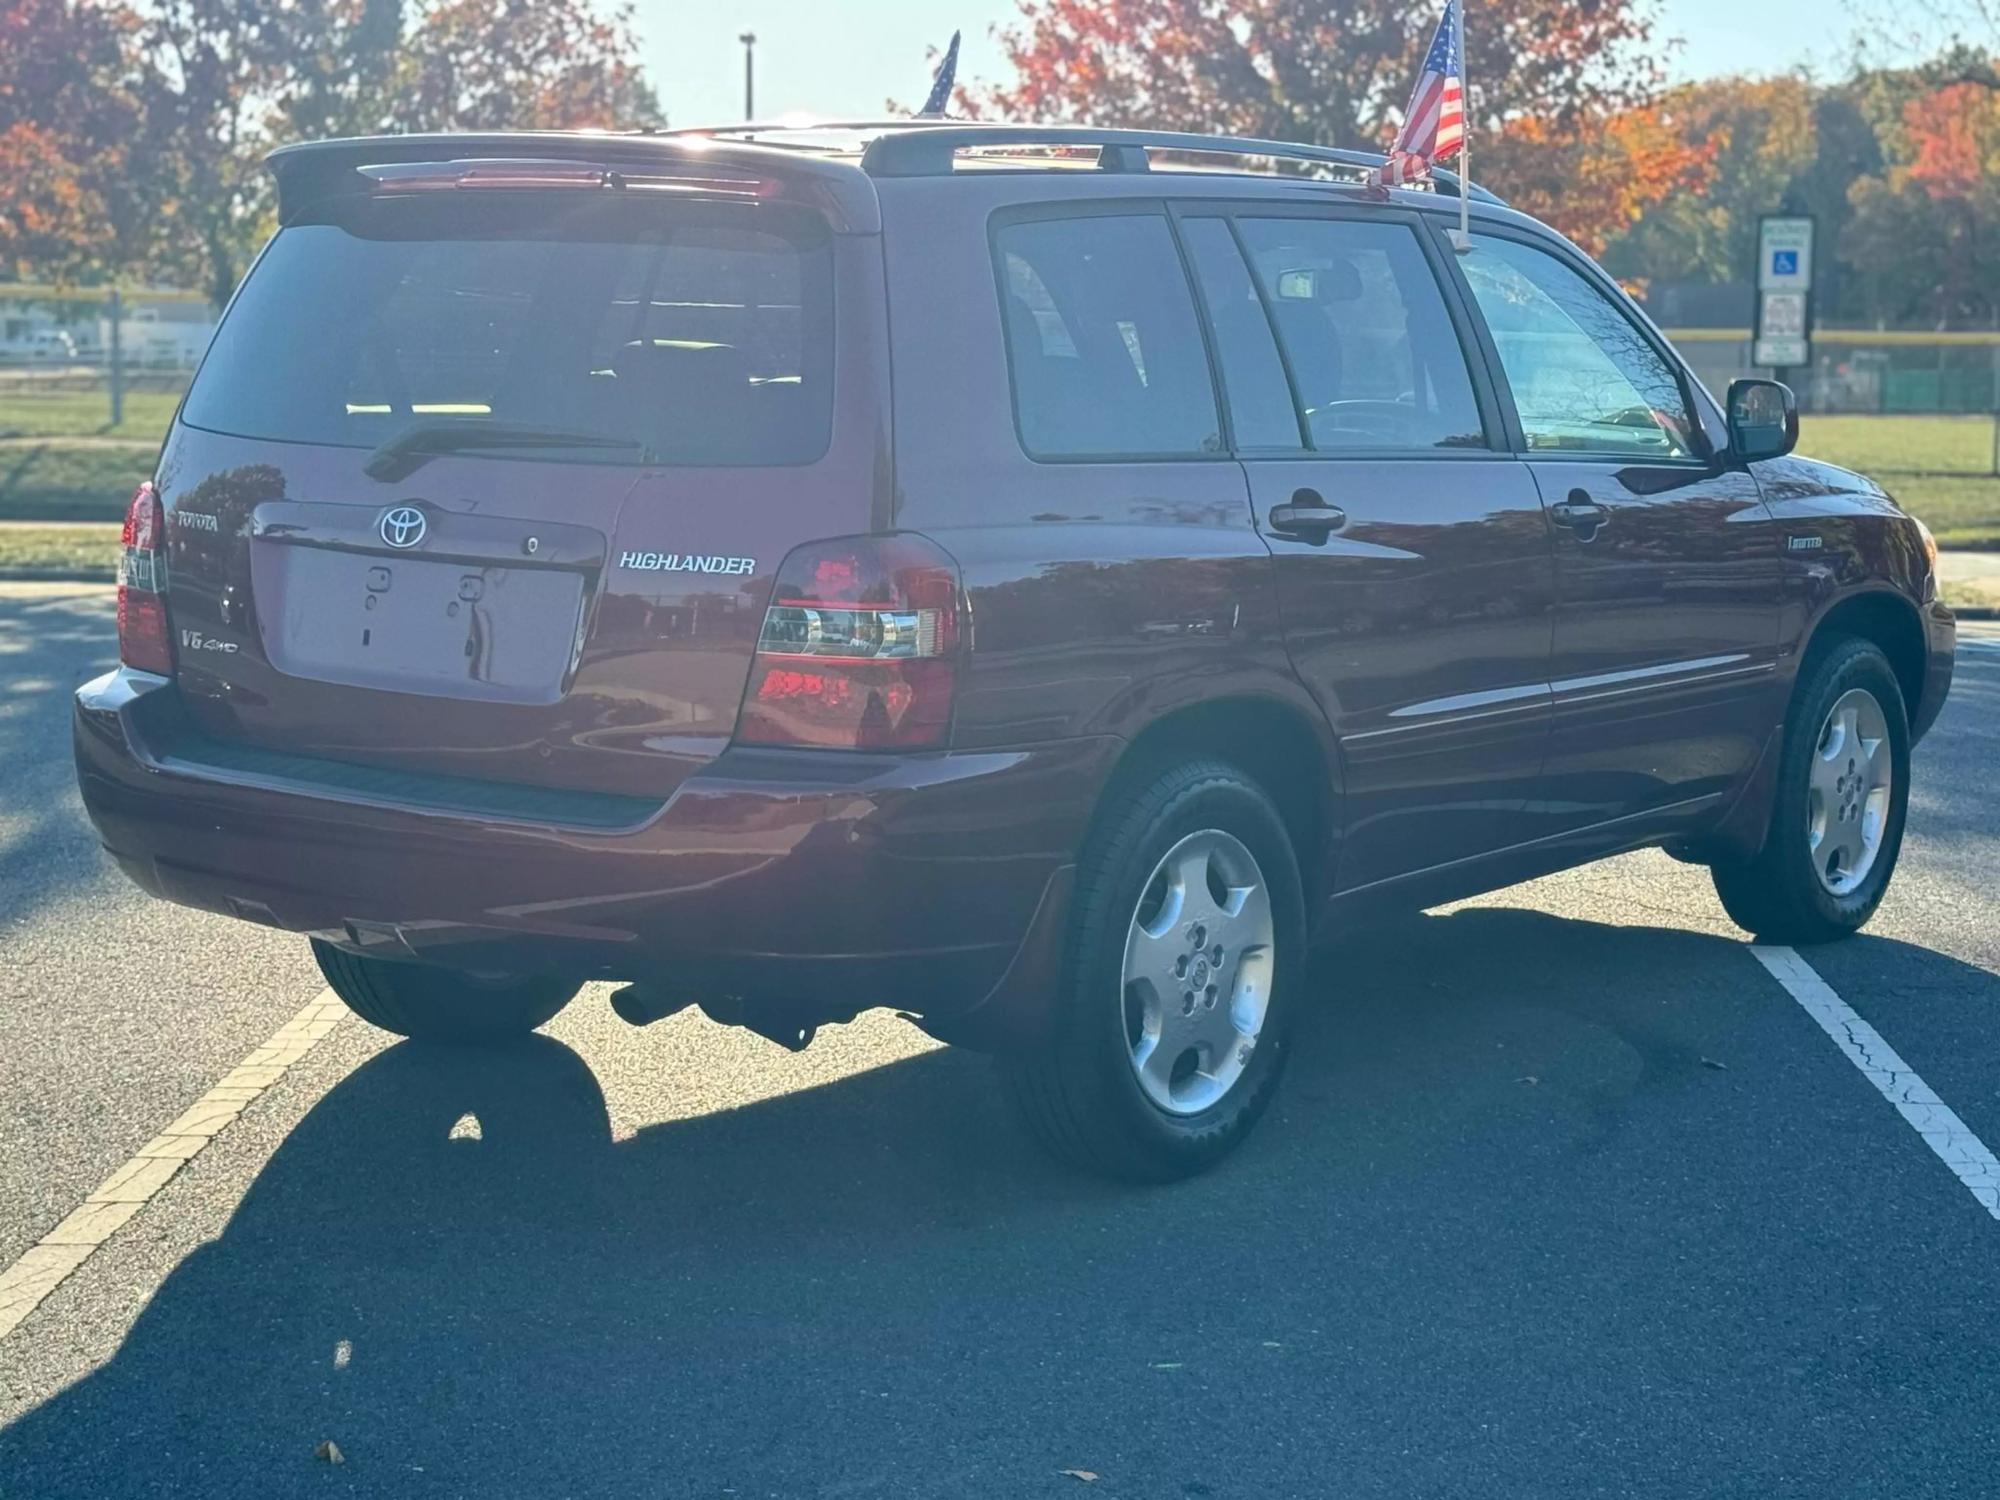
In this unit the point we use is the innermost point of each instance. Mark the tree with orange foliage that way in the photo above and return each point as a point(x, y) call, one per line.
point(1554, 84)
point(1759, 137)
point(65, 111)
point(1593, 179)
point(1925, 236)
point(226, 80)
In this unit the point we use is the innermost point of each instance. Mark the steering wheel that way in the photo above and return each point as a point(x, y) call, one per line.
point(1360, 415)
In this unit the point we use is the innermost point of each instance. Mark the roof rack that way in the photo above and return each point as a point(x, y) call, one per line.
point(928, 148)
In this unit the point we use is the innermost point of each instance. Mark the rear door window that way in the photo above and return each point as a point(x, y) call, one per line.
point(1107, 355)
point(1261, 412)
point(689, 335)
point(1365, 330)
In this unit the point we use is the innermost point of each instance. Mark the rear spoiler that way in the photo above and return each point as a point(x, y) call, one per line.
point(312, 173)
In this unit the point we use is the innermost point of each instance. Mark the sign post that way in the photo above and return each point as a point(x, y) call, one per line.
point(116, 349)
point(1784, 292)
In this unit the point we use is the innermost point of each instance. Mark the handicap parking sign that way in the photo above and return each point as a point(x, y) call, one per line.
point(1784, 253)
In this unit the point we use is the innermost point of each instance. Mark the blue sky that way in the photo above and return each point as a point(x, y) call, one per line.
point(848, 56)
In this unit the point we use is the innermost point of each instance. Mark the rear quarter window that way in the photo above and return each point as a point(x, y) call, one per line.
point(697, 335)
point(1106, 354)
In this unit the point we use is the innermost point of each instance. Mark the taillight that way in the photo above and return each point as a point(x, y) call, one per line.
point(859, 649)
point(144, 640)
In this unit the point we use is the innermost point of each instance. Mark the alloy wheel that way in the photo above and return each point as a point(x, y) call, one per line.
point(1198, 964)
point(1852, 774)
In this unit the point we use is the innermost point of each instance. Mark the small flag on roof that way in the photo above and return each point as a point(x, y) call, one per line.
point(1434, 124)
point(941, 84)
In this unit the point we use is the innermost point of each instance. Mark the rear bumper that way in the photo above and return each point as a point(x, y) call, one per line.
point(810, 882)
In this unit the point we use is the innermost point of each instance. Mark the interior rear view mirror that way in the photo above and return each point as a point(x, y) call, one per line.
point(1763, 419)
point(1338, 282)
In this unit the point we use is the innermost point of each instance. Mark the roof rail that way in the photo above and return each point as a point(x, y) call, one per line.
point(908, 149)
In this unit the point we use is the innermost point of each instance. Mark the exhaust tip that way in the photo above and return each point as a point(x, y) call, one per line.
point(641, 1005)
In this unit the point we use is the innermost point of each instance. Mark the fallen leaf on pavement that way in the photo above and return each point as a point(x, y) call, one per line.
point(330, 1451)
point(1084, 1474)
point(1709, 1062)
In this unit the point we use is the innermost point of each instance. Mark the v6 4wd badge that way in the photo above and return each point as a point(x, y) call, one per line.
point(194, 640)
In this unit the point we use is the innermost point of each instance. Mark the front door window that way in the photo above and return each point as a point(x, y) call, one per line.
point(1585, 379)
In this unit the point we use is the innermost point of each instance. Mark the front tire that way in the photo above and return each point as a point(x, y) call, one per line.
point(1837, 819)
point(1174, 1020)
point(441, 1005)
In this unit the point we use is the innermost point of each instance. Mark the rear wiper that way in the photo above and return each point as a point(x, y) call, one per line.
point(409, 449)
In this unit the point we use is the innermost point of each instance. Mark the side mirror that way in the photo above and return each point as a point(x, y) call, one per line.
point(1763, 419)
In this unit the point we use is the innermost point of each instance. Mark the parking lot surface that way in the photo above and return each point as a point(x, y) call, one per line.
point(1565, 1194)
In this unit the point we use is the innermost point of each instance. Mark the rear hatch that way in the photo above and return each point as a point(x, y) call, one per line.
point(489, 473)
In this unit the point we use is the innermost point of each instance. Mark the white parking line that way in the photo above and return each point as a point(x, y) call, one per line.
point(47, 1265)
point(1943, 1131)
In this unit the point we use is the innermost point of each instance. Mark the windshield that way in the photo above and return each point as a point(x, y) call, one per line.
point(692, 333)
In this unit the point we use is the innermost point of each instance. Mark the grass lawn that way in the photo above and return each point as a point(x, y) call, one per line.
point(1902, 444)
point(1961, 513)
point(33, 413)
point(1966, 596)
point(1938, 468)
point(58, 481)
point(26, 550)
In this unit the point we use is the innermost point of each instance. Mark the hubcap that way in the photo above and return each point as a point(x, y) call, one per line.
point(1198, 963)
point(1847, 806)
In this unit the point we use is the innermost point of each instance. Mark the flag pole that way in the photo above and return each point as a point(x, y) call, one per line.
point(1462, 240)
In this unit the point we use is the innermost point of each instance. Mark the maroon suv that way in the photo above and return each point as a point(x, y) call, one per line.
point(1036, 579)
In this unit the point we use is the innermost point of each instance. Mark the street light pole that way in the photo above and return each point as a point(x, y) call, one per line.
point(749, 41)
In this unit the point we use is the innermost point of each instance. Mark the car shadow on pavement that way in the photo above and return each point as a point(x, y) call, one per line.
point(1531, 1216)
point(51, 641)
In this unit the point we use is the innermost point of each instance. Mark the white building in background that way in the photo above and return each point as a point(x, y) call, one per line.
point(154, 333)
point(158, 335)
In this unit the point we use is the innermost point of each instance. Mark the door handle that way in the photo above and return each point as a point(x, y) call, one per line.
point(1308, 517)
point(1581, 514)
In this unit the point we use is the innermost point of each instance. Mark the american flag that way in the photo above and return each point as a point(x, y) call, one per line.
point(1434, 124)
point(941, 85)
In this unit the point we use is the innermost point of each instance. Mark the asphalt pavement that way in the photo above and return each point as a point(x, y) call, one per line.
point(1564, 1195)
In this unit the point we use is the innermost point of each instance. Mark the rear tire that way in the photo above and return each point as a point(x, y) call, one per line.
point(440, 1005)
point(1795, 889)
point(1153, 1082)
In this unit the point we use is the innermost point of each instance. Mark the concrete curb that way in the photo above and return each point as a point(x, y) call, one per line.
point(58, 575)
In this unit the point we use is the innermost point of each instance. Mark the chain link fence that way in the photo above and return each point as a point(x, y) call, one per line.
point(1886, 374)
point(90, 364)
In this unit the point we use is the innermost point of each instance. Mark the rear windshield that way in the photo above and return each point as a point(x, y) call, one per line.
point(689, 334)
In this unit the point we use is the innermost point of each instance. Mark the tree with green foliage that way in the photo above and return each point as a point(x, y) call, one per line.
point(521, 64)
point(223, 81)
point(1762, 133)
point(1924, 240)
point(1900, 167)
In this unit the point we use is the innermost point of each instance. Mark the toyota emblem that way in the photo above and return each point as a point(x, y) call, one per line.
point(404, 526)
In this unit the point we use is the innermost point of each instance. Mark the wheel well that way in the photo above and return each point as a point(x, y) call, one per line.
point(1273, 743)
point(1888, 621)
